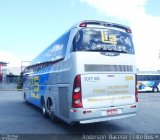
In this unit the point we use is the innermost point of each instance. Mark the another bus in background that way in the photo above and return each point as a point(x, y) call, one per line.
point(148, 82)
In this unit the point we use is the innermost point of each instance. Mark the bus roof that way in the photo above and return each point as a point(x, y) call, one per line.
point(148, 74)
point(96, 23)
point(88, 23)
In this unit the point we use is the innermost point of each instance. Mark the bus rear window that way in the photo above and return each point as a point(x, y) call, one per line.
point(103, 40)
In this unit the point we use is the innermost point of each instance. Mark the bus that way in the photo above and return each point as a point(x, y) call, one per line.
point(87, 75)
point(148, 82)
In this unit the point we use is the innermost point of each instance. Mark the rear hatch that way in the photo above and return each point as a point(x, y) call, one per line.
point(107, 90)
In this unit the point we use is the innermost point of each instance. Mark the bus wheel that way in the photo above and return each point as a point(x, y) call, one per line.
point(43, 107)
point(155, 89)
point(51, 110)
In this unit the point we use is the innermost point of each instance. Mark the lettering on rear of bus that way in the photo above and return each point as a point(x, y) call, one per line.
point(91, 78)
point(127, 78)
point(115, 89)
point(112, 98)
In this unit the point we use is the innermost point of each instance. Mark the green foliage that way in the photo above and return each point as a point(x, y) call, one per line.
point(19, 82)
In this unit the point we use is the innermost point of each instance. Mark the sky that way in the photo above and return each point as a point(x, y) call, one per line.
point(27, 27)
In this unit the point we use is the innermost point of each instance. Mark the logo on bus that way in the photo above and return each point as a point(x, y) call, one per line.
point(127, 78)
point(110, 53)
point(91, 78)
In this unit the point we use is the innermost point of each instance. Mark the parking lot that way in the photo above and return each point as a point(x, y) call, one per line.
point(18, 117)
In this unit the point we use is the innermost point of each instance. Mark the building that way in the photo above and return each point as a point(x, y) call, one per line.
point(3, 72)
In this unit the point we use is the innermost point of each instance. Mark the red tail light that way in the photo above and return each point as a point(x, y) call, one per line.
point(83, 24)
point(129, 31)
point(76, 95)
point(136, 90)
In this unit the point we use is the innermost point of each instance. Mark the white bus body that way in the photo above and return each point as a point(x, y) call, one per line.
point(87, 85)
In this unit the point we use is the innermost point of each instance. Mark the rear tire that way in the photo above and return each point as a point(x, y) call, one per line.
point(51, 110)
point(43, 107)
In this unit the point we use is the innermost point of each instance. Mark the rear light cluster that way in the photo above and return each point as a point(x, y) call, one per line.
point(77, 95)
point(106, 24)
point(133, 106)
point(136, 90)
point(83, 24)
point(128, 30)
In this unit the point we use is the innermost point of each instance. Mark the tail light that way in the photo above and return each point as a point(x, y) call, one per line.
point(136, 90)
point(77, 95)
point(83, 24)
point(129, 30)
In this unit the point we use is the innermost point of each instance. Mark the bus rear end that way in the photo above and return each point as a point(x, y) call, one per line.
point(103, 74)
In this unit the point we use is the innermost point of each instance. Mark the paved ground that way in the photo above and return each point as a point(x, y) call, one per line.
point(8, 86)
point(17, 117)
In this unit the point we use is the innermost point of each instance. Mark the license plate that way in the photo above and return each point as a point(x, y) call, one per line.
point(111, 112)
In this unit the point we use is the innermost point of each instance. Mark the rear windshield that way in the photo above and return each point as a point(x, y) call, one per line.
point(103, 40)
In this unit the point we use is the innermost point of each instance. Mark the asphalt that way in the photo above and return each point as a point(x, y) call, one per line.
point(18, 117)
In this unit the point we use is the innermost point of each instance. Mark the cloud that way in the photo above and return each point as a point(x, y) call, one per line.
point(145, 27)
point(119, 8)
point(10, 58)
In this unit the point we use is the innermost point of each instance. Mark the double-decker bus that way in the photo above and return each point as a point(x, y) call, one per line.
point(148, 82)
point(87, 75)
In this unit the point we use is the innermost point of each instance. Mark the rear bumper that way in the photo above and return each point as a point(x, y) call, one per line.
point(98, 115)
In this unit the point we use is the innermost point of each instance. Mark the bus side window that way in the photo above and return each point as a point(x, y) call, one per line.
point(55, 51)
point(139, 77)
point(149, 78)
point(64, 41)
point(155, 77)
point(58, 49)
point(142, 78)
